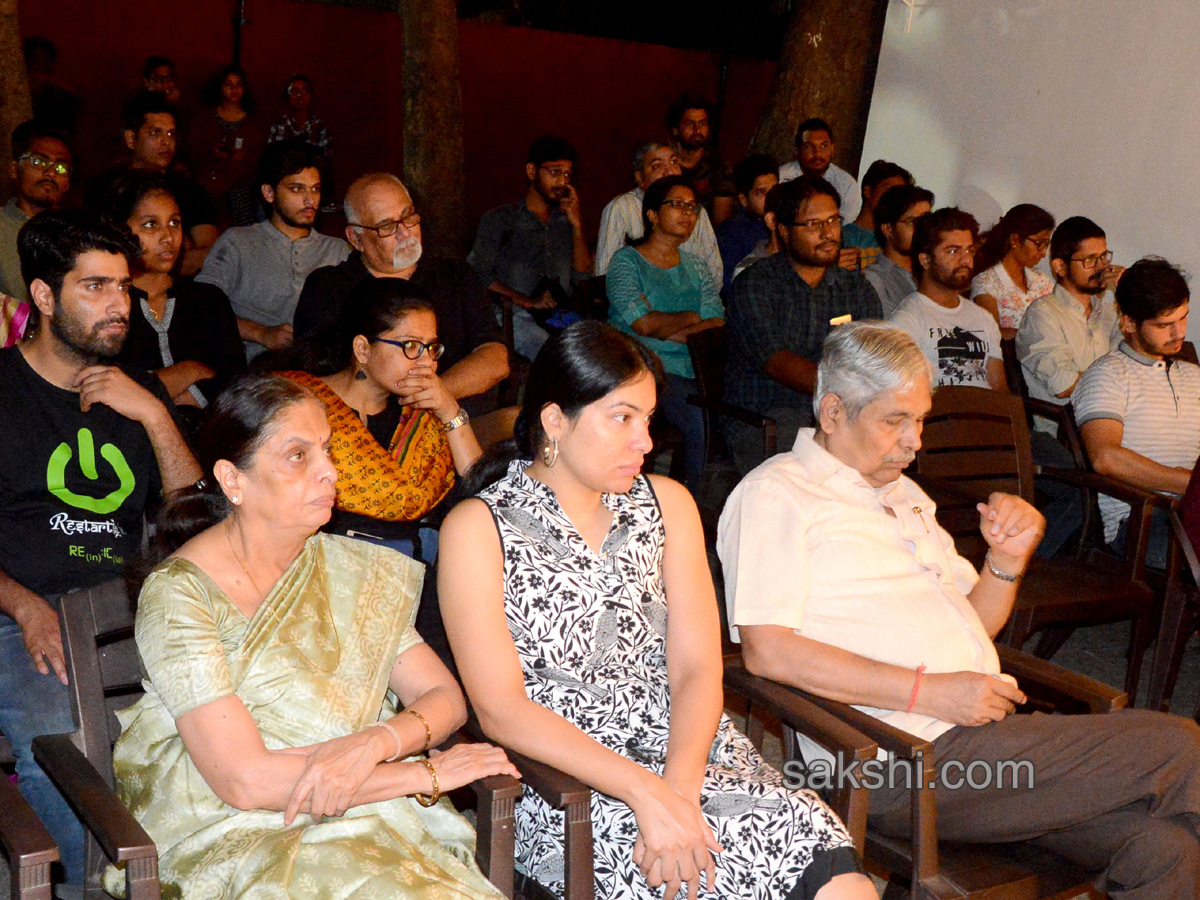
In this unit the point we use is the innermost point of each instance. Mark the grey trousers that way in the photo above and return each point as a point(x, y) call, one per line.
point(1118, 794)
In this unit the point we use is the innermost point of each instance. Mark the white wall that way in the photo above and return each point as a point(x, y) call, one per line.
point(1084, 107)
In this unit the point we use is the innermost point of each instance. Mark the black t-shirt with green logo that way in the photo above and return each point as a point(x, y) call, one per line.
point(73, 485)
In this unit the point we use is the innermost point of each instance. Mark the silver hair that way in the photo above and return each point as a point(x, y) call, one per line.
point(644, 149)
point(360, 185)
point(862, 360)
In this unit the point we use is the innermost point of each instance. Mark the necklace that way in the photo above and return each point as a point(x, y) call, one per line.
point(229, 538)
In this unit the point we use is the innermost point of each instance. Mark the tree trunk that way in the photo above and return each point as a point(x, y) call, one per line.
point(827, 69)
point(15, 104)
point(433, 128)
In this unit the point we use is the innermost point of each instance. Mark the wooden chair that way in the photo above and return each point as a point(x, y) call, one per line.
point(30, 850)
point(931, 869)
point(105, 675)
point(977, 441)
point(1181, 613)
point(708, 352)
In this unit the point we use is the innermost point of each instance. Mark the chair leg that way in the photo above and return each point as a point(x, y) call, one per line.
point(1178, 622)
point(1020, 626)
point(1051, 640)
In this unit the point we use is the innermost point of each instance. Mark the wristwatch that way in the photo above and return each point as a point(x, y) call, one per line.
point(460, 419)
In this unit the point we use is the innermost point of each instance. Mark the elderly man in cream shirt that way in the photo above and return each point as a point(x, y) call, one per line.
point(840, 581)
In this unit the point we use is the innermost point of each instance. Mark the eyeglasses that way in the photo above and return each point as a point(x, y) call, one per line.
point(387, 229)
point(413, 348)
point(1096, 259)
point(40, 162)
point(558, 172)
point(683, 206)
point(1038, 244)
point(819, 224)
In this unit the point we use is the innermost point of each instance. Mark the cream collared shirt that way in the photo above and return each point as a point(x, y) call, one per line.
point(807, 544)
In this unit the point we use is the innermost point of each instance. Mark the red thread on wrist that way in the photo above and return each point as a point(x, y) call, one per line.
point(912, 700)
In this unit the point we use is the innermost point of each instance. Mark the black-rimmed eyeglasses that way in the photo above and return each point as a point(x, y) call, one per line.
point(413, 348)
point(387, 229)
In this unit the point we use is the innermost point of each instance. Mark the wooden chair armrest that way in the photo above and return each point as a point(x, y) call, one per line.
point(1045, 409)
point(1044, 680)
point(26, 842)
point(116, 830)
point(740, 413)
point(1106, 484)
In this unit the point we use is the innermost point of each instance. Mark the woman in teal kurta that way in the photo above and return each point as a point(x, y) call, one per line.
point(261, 758)
point(661, 294)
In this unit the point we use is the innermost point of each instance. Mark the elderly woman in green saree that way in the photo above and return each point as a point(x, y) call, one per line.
point(280, 748)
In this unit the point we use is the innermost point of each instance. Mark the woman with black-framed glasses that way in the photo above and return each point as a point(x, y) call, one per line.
point(400, 439)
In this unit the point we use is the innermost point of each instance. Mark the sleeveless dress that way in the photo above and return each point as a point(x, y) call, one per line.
point(590, 630)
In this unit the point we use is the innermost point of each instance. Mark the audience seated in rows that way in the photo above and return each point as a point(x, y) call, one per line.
point(399, 434)
point(384, 228)
point(299, 124)
point(182, 330)
point(659, 293)
point(621, 220)
point(68, 519)
point(1006, 281)
point(1138, 406)
point(689, 118)
point(895, 216)
point(284, 680)
point(881, 176)
point(780, 310)
point(874, 607)
point(533, 251)
point(960, 339)
point(738, 235)
point(41, 173)
point(262, 267)
point(814, 156)
point(612, 672)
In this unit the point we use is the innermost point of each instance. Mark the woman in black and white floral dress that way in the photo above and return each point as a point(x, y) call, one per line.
point(577, 598)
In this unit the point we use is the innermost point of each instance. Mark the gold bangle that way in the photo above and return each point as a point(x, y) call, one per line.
point(428, 733)
point(430, 799)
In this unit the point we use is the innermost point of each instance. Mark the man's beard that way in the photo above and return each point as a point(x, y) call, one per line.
point(406, 254)
point(89, 345)
point(958, 279)
point(293, 222)
point(695, 142)
point(1093, 286)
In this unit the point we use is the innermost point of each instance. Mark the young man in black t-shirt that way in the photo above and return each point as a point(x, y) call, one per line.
point(84, 448)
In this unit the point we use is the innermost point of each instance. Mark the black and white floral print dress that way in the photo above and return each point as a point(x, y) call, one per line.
point(590, 629)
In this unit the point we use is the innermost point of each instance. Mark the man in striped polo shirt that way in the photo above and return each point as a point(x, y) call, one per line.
point(1138, 407)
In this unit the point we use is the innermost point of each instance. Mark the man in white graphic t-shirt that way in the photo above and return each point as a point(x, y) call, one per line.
point(959, 338)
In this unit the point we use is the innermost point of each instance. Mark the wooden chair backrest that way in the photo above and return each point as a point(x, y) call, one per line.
point(975, 441)
point(708, 352)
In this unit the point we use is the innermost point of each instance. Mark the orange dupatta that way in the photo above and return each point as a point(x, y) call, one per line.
point(399, 483)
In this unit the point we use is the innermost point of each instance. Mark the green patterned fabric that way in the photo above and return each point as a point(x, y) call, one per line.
point(312, 664)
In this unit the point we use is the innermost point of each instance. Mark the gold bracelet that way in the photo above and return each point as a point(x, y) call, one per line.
point(395, 737)
point(430, 799)
point(428, 733)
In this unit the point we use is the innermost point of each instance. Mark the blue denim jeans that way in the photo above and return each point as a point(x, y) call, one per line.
point(688, 419)
point(31, 704)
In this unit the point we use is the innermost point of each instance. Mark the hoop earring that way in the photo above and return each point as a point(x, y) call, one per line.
point(550, 453)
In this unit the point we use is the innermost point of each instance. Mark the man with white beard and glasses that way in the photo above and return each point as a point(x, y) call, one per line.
point(86, 451)
point(384, 228)
point(262, 267)
point(962, 340)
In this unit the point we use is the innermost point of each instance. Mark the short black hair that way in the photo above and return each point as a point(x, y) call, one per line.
point(928, 231)
point(284, 158)
point(51, 243)
point(1150, 288)
point(894, 203)
point(881, 170)
point(550, 147)
point(1070, 233)
point(299, 76)
point(682, 104)
point(795, 193)
point(750, 169)
point(142, 104)
point(26, 133)
point(813, 124)
point(154, 61)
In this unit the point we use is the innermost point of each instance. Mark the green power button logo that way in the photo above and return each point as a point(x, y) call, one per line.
point(56, 475)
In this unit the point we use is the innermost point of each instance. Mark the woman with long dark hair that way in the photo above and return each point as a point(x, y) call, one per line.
point(577, 598)
point(226, 143)
point(1006, 281)
point(272, 654)
point(661, 294)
